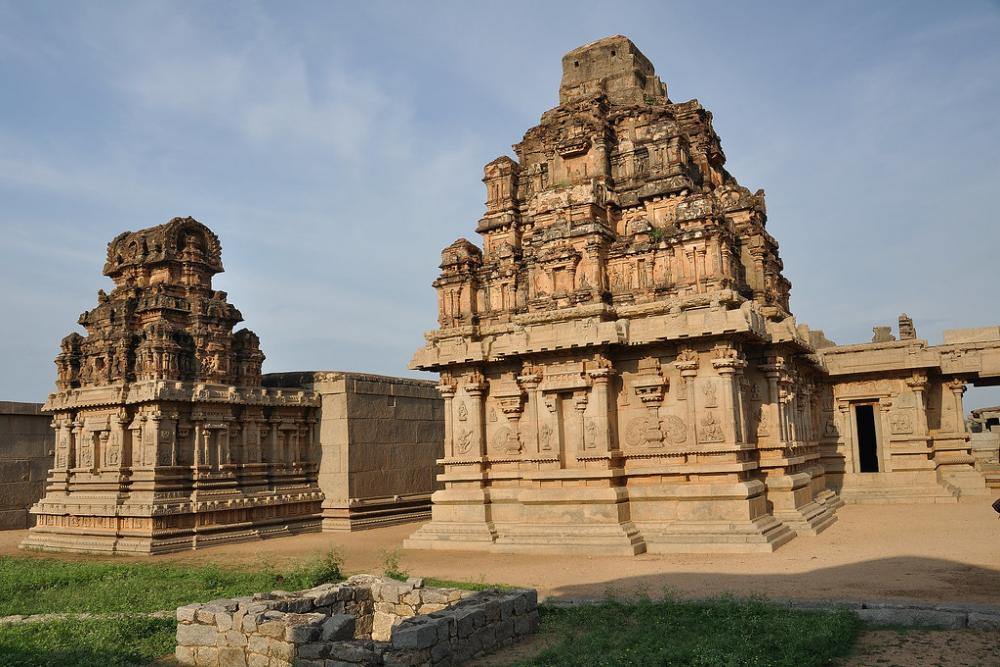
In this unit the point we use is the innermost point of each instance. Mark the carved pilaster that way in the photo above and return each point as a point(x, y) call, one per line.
point(530, 383)
point(601, 431)
point(957, 388)
point(687, 363)
point(447, 390)
point(649, 385)
point(730, 365)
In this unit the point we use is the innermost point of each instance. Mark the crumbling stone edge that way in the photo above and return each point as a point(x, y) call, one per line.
point(946, 616)
point(366, 620)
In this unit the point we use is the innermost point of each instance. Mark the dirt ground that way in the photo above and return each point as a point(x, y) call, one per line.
point(920, 553)
point(926, 648)
point(928, 553)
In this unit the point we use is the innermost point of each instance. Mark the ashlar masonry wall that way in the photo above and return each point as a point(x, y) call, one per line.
point(381, 438)
point(370, 621)
point(26, 450)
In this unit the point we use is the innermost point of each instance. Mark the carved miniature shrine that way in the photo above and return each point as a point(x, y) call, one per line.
point(165, 439)
point(619, 364)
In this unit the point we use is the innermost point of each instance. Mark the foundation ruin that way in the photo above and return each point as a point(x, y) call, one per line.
point(620, 367)
point(369, 621)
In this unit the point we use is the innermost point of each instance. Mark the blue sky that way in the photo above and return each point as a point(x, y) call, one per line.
point(337, 147)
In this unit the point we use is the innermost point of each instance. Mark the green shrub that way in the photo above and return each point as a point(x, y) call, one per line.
point(390, 564)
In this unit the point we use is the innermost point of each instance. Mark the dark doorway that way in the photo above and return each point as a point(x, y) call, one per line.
point(867, 438)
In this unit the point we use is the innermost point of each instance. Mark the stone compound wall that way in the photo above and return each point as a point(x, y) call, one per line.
point(380, 438)
point(366, 620)
point(26, 444)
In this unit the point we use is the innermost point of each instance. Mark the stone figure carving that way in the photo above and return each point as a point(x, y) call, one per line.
point(545, 438)
point(901, 422)
point(711, 430)
point(505, 440)
point(463, 412)
point(464, 442)
point(762, 421)
point(708, 389)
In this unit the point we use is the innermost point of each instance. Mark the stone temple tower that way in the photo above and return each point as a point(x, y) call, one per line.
point(619, 364)
point(165, 439)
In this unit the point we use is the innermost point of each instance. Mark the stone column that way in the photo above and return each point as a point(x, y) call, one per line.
point(729, 367)
point(475, 389)
point(687, 364)
point(601, 378)
point(957, 387)
point(580, 405)
point(885, 431)
point(274, 449)
point(918, 384)
point(773, 372)
point(529, 382)
point(447, 390)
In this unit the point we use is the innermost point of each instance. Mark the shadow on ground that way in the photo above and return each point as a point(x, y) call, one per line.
point(897, 579)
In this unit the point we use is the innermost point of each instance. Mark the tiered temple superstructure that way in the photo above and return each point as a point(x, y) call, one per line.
point(619, 365)
point(165, 439)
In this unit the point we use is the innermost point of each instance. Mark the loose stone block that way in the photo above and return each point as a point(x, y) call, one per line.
point(338, 627)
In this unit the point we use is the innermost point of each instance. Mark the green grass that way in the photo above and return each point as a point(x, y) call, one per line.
point(40, 585)
point(718, 633)
point(111, 642)
point(43, 585)
point(432, 582)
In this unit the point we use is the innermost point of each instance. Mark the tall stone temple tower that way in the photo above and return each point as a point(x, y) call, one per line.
point(618, 363)
point(165, 439)
point(620, 368)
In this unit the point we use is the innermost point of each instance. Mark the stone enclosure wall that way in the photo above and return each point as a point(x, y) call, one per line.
point(380, 438)
point(26, 444)
point(366, 620)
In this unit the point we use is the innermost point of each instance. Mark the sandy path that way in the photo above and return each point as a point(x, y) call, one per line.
point(942, 553)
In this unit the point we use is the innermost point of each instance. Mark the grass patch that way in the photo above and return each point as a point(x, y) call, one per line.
point(717, 633)
point(464, 585)
point(111, 642)
point(40, 585)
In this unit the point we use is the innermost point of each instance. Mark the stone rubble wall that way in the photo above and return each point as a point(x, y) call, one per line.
point(367, 620)
point(26, 445)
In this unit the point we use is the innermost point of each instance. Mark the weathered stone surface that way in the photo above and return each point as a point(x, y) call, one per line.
point(26, 451)
point(414, 635)
point(325, 636)
point(196, 635)
point(338, 627)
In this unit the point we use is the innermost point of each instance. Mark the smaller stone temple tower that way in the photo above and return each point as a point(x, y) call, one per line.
point(165, 438)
